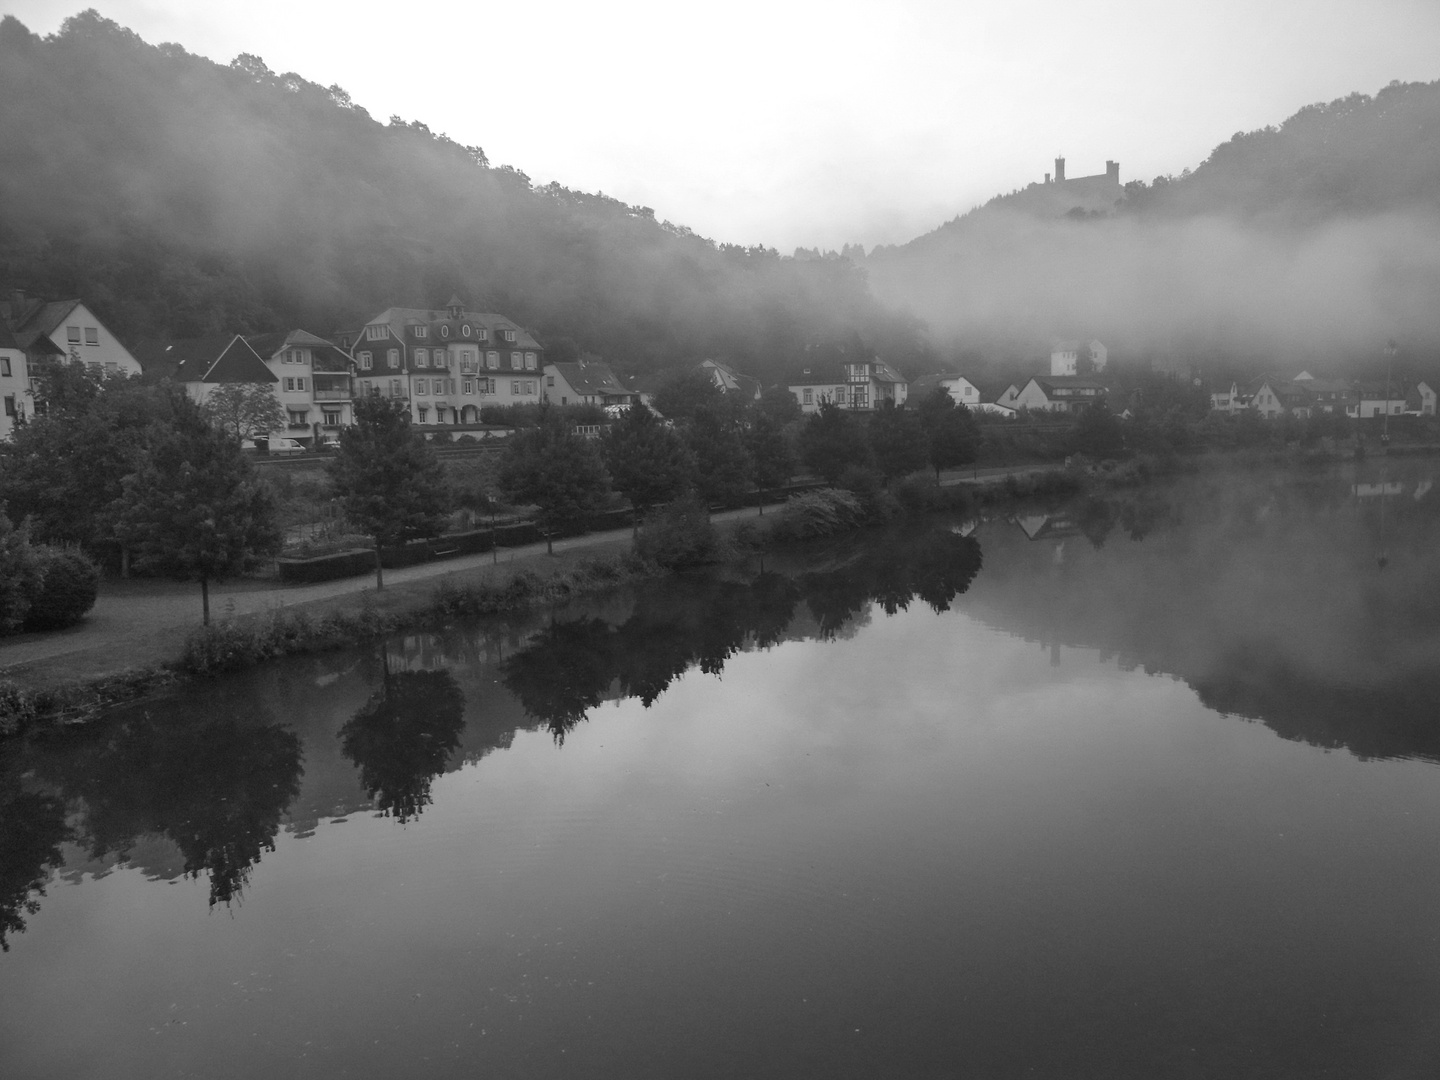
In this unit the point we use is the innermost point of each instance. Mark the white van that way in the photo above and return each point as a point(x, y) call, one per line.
point(285, 446)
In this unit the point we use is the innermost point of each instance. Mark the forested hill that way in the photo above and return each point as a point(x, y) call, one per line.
point(1319, 238)
point(183, 197)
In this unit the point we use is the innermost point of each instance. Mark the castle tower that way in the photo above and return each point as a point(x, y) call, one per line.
point(1059, 170)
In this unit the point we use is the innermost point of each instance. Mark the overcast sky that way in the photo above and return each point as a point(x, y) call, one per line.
point(790, 122)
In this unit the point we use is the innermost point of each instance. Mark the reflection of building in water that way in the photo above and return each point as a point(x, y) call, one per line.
point(1372, 491)
point(1047, 526)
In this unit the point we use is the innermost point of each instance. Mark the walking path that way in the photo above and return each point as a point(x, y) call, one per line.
point(142, 621)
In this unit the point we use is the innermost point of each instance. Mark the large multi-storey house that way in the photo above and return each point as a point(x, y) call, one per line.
point(856, 384)
point(447, 364)
point(313, 380)
point(65, 330)
point(15, 395)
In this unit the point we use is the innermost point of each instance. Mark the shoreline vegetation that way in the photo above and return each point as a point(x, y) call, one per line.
point(671, 539)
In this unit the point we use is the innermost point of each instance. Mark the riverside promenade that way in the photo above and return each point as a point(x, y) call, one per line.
point(145, 621)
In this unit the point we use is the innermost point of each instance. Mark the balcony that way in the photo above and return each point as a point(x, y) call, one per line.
point(331, 395)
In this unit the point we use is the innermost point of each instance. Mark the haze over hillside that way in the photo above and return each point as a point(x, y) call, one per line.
point(1314, 241)
point(181, 196)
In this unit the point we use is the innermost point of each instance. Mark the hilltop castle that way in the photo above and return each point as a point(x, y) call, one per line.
point(1063, 195)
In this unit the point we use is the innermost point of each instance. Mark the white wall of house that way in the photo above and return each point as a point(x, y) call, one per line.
point(82, 337)
point(812, 395)
point(16, 402)
point(1033, 397)
point(1064, 361)
point(962, 391)
point(1427, 399)
point(1380, 406)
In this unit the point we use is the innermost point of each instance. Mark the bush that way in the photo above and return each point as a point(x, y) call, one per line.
point(69, 583)
point(20, 575)
point(18, 708)
point(678, 534)
point(816, 513)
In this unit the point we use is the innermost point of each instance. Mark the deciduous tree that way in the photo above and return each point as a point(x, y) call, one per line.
point(832, 440)
point(244, 410)
point(389, 480)
point(648, 461)
point(772, 461)
point(898, 441)
point(194, 510)
point(953, 438)
point(555, 470)
point(722, 467)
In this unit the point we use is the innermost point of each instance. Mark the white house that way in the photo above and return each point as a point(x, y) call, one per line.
point(729, 381)
point(858, 384)
point(313, 380)
point(1058, 393)
point(1065, 357)
point(584, 382)
point(205, 364)
point(67, 330)
point(16, 402)
point(1378, 399)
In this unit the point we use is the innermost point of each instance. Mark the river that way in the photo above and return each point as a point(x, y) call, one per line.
point(1142, 785)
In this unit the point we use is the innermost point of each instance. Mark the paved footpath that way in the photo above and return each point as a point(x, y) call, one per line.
point(144, 620)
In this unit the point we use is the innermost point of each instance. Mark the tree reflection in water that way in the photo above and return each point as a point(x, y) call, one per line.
point(571, 667)
point(215, 784)
point(32, 828)
point(402, 738)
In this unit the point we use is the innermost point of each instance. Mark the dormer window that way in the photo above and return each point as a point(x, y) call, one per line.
point(444, 331)
point(377, 332)
point(465, 329)
point(482, 334)
point(508, 335)
point(422, 332)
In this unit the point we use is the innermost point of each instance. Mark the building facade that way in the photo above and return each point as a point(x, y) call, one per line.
point(862, 385)
point(65, 330)
point(16, 398)
point(584, 382)
point(446, 365)
point(1058, 393)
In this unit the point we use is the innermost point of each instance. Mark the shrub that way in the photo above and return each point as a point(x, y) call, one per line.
point(814, 514)
point(18, 708)
point(20, 575)
point(678, 534)
point(69, 583)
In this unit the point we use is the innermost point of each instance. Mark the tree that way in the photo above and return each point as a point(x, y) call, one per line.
point(952, 434)
point(898, 441)
point(648, 462)
point(389, 480)
point(772, 461)
point(244, 410)
point(683, 393)
point(779, 404)
point(722, 467)
point(1097, 431)
point(555, 470)
point(194, 509)
point(20, 574)
point(831, 441)
point(65, 469)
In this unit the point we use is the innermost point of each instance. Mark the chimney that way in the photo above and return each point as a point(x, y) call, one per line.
point(1059, 170)
point(1112, 171)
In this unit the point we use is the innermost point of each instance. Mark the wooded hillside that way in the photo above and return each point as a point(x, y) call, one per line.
point(182, 197)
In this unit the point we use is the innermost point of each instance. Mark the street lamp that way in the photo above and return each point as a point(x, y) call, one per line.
point(1390, 350)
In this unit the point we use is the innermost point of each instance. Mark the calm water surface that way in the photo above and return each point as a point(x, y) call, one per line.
point(1142, 786)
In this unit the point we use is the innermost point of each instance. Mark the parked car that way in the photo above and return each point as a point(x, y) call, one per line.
point(328, 443)
point(285, 446)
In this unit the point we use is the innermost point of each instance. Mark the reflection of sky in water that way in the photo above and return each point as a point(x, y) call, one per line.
point(925, 849)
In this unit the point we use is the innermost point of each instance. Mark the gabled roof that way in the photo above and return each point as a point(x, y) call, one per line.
point(7, 339)
point(325, 355)
point(592, 377)
point(34, 319)
point(1049, 383)
point(883, 372)
point(822, 374)
point(233, 362)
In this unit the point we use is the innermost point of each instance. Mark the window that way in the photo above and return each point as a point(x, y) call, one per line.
point(298, 417)
point(439, 414)
point(365, 361)
point(465, 329)
point(375, 333)
point(482, 333)
point(300, 384)
point(529, 386)
point(529, 361)
point(72, 335)
point(4, 365)
point(423, 413)
point(392, 358)
point(422, 358)
point(515, 387)
point(549, 380)
point(9, 404)
point(442, 360)
point(421, 332)
point(487, 386)
point(289, 384)
point(469, 364)
point(492, 360)
point(507, 335)
point(809, 398)
point(395, 388)
point(422, 386)
point(444, 331)
point(332, 417)
point(469, 386)
point(517, 361)
point(92, 335)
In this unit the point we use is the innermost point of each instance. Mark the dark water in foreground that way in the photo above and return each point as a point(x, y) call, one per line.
point(1144, 787)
